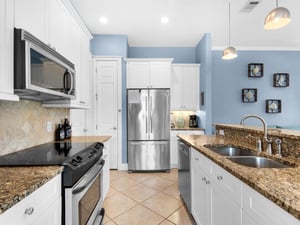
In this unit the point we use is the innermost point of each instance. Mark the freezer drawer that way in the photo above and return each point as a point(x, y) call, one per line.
point(148, 155)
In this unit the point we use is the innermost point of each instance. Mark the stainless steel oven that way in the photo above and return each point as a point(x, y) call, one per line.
point(83, 201)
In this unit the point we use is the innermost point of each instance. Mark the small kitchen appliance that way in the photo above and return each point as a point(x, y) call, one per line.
point(193, 121)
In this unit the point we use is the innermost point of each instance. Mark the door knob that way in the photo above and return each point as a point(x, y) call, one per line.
point(114, 128)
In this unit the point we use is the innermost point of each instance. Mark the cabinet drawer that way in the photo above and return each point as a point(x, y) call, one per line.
point(36, 204)
point(200, 161)
point(227, 183)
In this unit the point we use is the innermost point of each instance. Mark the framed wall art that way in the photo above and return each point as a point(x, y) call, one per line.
point(273, 106)
point(249, 95)
point(281, 80)
point(255, 70)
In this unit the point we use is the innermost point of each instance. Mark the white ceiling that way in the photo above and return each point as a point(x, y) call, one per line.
point(189, 20)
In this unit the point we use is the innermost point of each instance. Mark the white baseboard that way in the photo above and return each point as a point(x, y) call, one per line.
point(123, 166)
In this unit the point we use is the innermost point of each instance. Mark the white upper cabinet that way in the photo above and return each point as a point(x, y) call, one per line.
point(148, 73)
point(31, 16)
point(6, 53)
point(185, 86)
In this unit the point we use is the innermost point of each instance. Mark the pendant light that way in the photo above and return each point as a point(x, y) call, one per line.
point(229, 52)
point(277, 18)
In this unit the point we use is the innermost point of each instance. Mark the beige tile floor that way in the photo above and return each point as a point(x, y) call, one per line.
point(145, 199)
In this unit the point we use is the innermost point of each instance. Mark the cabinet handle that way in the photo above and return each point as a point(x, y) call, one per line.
point(82, 102)
point(219, 177)
point(196, 158)
point(29, 210)
point(207, 182)
point(203, 178)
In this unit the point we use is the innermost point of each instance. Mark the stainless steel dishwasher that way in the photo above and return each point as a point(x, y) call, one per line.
point(184, 173)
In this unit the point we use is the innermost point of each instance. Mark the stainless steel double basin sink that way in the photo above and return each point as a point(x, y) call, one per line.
point(245, 157)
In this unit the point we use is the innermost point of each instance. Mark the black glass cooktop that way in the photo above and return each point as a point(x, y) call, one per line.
point(46, 154)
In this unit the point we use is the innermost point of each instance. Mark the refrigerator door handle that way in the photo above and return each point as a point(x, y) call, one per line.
point(146, 121)
point(150, 111)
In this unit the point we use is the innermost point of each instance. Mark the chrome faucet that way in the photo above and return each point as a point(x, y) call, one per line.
point(268, 140)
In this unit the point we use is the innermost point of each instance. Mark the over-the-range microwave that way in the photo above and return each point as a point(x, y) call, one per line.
point(41, 73)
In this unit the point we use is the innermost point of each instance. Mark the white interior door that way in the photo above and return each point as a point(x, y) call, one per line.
point(108, 106)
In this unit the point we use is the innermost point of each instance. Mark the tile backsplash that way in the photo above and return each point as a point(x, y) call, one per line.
point(23, 124)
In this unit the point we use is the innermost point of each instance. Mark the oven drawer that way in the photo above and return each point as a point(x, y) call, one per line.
point(35, 206)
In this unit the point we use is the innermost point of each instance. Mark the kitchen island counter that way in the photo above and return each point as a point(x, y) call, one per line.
point(278, 185)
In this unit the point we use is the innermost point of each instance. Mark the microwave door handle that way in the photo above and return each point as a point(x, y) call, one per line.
point(72, 83)
point(65, 81)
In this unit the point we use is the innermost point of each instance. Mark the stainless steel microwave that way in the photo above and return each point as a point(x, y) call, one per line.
point(41, 73)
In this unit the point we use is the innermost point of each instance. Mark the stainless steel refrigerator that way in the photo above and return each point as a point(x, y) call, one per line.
point(148, 129)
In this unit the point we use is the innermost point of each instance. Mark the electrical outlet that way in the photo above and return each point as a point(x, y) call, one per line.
point(221, 132)
point(49, 126)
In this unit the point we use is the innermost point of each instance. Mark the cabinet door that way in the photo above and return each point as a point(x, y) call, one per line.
point(176, 87)
point(106, 177)
point(59, 33)
point(190, 87)
point(224, 210)
point(31, 15)
point(201, 191)
point(6, 53)
point(138, 74)
point(174, 150)
point(160, 73)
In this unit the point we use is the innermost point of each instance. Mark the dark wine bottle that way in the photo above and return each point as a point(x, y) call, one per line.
point(68, 129)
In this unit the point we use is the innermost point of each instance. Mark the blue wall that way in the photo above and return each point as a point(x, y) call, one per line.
point(180, 54)
point(109, 45)
point(204, 57)
point(229, 77)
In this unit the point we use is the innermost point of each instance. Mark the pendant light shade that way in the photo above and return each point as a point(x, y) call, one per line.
point(229, 52)
point(277, 18)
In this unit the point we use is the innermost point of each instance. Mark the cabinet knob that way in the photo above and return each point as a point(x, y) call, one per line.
point(219, 177)
point(207, 182)
point(29, 210)
point(203, 178)
point(196, 158)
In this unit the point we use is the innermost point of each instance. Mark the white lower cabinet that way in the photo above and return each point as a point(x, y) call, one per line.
point(173, 146)
point(106, 177)
point(43, 206)
point(219, 198)
point(201, 189)
point(258, 210)
point(213, 193)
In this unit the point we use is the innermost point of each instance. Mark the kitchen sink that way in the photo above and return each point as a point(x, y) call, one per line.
point(229, 150)
point(257, 162)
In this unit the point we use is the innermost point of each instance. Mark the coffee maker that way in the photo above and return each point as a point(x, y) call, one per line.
point(193, 121)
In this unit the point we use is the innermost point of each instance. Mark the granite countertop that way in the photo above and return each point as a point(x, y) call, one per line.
point(16, 183)
point(282, 186)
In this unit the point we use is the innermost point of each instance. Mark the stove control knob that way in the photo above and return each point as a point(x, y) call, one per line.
point(78, 158)
point(74, 162)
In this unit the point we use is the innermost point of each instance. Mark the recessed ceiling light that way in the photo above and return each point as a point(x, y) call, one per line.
point(103, 20)
point(164, 20)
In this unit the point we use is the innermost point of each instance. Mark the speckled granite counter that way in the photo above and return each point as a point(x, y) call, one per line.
point(282, 186)
point(18, 182)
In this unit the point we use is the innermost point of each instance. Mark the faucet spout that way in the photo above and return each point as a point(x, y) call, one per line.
point(268, 140)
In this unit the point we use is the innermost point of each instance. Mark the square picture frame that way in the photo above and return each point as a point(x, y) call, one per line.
point(273, 106)
point(255, 70)
point(281, 80)
point(249, 95)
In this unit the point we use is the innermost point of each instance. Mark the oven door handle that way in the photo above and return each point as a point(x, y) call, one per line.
point(90, 179)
